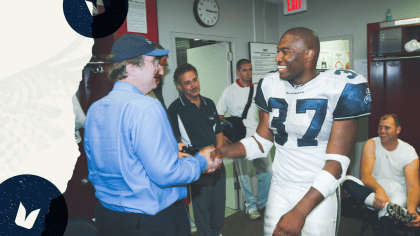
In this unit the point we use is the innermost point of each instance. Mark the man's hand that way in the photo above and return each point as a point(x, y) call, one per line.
point(416, 221)
point(182, 154)
point(216, 154)
point(212, 163)
point(290, 224)
point(226, 141)
point(380, 199)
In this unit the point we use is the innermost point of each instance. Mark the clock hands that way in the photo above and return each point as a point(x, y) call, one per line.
point(206, 12)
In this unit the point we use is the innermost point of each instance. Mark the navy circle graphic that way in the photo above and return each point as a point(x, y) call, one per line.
point(31, 205)
point(80, 19)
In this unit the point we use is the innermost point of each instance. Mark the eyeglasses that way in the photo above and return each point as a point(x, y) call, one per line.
point(157, 65)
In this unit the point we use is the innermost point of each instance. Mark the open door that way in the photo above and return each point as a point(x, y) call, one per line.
point(214, 73)
point(213, 68)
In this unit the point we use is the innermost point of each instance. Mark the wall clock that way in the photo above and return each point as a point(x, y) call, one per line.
point(206, 12)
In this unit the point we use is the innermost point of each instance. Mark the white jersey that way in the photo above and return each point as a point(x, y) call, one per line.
point(234, 100)
point(301, 118)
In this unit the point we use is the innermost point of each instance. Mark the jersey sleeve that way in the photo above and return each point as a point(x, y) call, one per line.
point(354, 102)
point(260, 99)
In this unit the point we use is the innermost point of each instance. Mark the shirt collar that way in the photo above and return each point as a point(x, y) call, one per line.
point(119, 85)
point(185, 101)
point(240, 85)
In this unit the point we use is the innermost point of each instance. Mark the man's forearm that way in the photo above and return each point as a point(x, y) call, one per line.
point(371, 183)
point(236, 150)
point(413, 199)
point(311, 199)
point(219, 140)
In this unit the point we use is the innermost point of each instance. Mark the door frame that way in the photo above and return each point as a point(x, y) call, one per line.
point(232, 41)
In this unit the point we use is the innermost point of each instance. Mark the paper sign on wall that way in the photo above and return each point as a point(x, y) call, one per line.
point(263, 59)
point(136, 16)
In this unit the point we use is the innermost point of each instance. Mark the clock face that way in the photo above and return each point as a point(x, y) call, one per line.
point(206, 12)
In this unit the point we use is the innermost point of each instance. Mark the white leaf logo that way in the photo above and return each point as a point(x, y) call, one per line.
point(27, 223)
point(91, 7)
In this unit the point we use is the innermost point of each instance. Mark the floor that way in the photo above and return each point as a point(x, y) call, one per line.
point(237, 223)
point(228, 212)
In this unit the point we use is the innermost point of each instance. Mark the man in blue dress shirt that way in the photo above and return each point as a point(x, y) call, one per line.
point(132, 153)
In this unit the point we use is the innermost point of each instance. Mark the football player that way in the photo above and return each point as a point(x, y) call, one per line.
point(312, 118)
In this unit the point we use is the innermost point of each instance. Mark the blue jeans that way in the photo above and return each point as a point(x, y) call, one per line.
point(244, 169)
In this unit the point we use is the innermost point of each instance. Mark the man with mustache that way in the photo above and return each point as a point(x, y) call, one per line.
point(195, 123)
point(312, 118)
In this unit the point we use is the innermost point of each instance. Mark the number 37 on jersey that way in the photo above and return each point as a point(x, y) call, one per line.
point(303, 116)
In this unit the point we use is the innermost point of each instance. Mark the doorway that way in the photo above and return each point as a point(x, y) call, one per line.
point(213, 56)
point(335, 53)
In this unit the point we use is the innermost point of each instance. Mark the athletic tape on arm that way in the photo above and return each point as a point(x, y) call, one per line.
point(324, 181)
point(252, 149)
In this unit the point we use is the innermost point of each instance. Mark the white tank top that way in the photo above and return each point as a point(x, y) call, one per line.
point(389, 165)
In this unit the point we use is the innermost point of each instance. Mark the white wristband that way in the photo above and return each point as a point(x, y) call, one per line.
point(325, 183)
point(266, 144)
point(344, 161)
point(251, 147)
point(253, 150)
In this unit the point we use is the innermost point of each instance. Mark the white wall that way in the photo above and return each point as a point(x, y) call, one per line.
point(330, 18)
point(236, 21)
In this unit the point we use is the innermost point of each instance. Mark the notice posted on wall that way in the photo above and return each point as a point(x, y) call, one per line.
point(136, 16)
point(263, 59)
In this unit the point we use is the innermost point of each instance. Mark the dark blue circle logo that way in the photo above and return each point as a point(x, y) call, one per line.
point(31, 205)
point(84, 23)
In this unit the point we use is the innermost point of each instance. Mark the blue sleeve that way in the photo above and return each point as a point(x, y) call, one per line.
point(259, 98)
point(354, 102)
point(154, 143)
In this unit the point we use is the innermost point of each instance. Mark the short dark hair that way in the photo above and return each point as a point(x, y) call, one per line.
point(242, 62)
point(397, 120)
point(309, 37)
point(181, 70)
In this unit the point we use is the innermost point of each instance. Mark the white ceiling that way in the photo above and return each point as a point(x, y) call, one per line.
point(279, 2)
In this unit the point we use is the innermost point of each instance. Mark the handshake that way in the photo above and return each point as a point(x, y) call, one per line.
point(208, 152)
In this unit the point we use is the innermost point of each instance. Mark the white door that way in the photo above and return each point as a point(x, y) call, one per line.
point(214, 73)
point(213, 68)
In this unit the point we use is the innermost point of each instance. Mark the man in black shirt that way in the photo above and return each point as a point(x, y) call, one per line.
point(196, 124)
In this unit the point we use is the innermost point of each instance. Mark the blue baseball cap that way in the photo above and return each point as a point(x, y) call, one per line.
point(134, 45)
